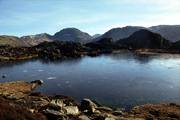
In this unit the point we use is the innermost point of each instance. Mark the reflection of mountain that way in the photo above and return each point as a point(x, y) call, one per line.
point(14, 63)
point(129, 56)
point(69, 61)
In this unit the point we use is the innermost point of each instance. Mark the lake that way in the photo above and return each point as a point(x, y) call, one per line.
point(116, 80)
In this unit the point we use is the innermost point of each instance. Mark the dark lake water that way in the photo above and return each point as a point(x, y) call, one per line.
point(121, 80)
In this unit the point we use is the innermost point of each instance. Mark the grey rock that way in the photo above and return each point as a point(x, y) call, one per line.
point(38, 82)
point(71, 110)
point(84, 117)
point(88, 105)
point(110, 118)
point(56, 103)
point(53, 112)
point(106, 109)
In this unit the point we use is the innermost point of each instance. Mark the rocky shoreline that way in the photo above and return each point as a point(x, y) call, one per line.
point(50, 51)
point(19, 102)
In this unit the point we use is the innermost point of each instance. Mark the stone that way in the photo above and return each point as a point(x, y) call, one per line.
point(71, 110)
point(4, 76)
point(88, 105)
point(109, 118)
point(149, 117)
point(53, 112)
point(106, 109)
point(56, 103)
point(38, 82)
point(83, 117)
point(117, 113)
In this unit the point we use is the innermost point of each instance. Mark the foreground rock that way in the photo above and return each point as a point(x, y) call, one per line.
point(156, 112)
point(18, 97)
point(12, 111)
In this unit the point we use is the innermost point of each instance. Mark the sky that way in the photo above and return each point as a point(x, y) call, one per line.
point(28, 17)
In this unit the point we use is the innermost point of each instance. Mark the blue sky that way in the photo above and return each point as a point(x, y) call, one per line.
point(26, 17)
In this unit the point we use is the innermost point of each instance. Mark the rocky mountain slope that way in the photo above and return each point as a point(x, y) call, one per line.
point(145, 39)
point(33, 40)
point(73, 35)
point(12, 41)
point(170, 32)
point(119, 33)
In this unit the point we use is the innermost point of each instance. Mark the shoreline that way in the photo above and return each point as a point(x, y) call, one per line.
point(90, 54)
point(21, 94)
point(62, 50)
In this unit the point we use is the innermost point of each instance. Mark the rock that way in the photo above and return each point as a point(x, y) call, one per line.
point(109, 118)
point(105, 109)
point(88, 105)
point(83, 117)
point(57, 103)
point(38, 82)
point(149, 117)
point(4, 76)
point(53, 112)
point(71, 110)
point(54, 115)
point(117, 113)
point(12, 111)
point(68, 101)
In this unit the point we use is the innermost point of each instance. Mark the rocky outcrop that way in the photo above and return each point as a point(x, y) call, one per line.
point(18, 89)
point(162, 111)
point(59, 50)
point(13, 111)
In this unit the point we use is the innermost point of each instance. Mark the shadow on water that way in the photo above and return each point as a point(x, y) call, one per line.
point(10, 64)
point(139, 58)
point(64, 61)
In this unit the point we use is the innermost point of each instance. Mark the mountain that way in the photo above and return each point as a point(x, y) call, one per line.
point(170, 32)
point(119, 33)
point(72, 34)
point(96, 36)
point(145, 39)
point(33, 40)
point(11, 41)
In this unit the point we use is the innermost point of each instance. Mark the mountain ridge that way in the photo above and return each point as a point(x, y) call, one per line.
point(76, 35)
